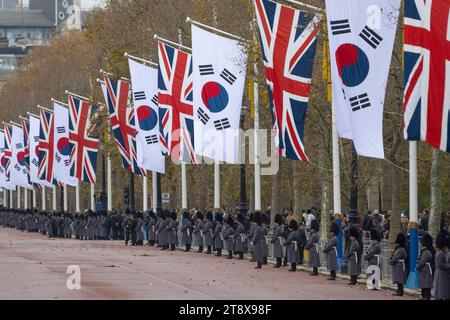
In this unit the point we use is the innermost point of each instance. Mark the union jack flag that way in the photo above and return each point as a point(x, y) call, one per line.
point(175, 103)
point(122, 122)
point(427, 80)
point(26, 143)
point(7, 151)
point(288, 41)
point(83, 148)
point(46, 147)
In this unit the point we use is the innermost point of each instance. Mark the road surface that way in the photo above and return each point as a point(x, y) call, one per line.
point(34, 267)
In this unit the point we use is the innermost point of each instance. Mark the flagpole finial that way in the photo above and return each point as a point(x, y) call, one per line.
point(188, 20)
point(66, 92)
point(125, 54)
point(155, 37)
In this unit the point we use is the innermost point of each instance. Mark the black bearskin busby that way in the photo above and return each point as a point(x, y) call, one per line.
point(334, 229)
point(354, 232)
point(401, 240)
point(258, 218)
point(240, 218)
point(266, 219)
point(278, 219)
point(186, 215)
point(293, 224)
point(442, 240)
point(315, 225)
point(209, 216)
point(427, 241)
point(199, 215)
point(375, 235)
point(230, 221)
point(173, 215)
point(252, 217)
point(219, 217)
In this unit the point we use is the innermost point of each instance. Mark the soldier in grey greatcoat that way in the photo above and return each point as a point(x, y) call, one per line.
point(228, 237)
point(373, 255)
point(162, 233)
point(239, 236)
point(139, 229)
point(265, 234)
point(313, 248)
point(277, 237)
point(151, 228)
point(291, 245)
point(198, 231)
point(397, 261)
point(351, 256)
point(330, 250)
point(257, 240)
point(172, 230)
point(208, 232)
point(425, 266)
point(442, 266)
point(251, 233)
point(217, 234)
point(186, 230)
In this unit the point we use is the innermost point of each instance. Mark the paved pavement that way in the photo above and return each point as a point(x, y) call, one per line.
point(34, 267)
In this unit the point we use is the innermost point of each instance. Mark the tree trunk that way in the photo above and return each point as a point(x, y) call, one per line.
point(297, 190)
point(395, 207)
point(436, 193)
point(202, 185)
point(276, 192)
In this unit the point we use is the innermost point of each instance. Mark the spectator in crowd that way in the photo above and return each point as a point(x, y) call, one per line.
point(424, 220)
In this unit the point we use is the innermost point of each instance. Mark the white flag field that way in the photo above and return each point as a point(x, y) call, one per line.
point(219, 71)
point(35, 127)
point(144, 82)
point(61, 164)
point(361, 35)
point(18, 171)
point(4, 182)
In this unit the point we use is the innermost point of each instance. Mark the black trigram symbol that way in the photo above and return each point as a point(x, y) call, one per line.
point(19, 146)
point(222, 124)
point(67, 162)
point(228, 76)
point(151, 139)
point(58, 158)
point(61, 129)
point(140, 95)
point(155, 99)
point(360, 102)
point(204, 118)
point(36, 139)
point(17, 167)
point(340, 27)
point(206, 70)
point(371, 37)
point(35, 162)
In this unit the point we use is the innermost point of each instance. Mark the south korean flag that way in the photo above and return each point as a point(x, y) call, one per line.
point(361, 34)
point(18, 171)
point(219, 71)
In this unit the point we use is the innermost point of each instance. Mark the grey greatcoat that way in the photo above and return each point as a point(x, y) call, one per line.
point(265, 245)
point(351, 258)
point(257, 244)
point(163, 237)
point(276, 241)
point(207, 233)
point(373, 256)
point(239, 238)
point(291, 245)
point(330, 250)
point(251, 234)
point(198, 232)
point(228, 236)
point(186, 231)
point(172, 232)
point(425, 269)
point(217, 235)
point(397, 262)
point(139, 230)
point(151, 229)
point(441, 276)
point(313, 249)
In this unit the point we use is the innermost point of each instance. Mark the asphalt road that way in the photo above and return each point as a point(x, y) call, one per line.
point(35, 267)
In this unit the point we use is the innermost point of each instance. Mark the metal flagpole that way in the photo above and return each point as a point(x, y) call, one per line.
point(25, 199)
point(5, 199)
point(92, 197)
point(305, 5)
point(184, 203)
point(77, 198)
point(174, 44)
point(11, 199)
point(43, 198)
point(54, 198)
point(217, 185)
point(256, 132)
point(413, 279)
point(65, 209)
point(144, 194)
point(109, 185)
point(337, 204)
point(34, 198)
point(154, 192)
point(18, 197)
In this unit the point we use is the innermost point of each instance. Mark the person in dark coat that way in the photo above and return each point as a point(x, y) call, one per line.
point(172, 230)
point(162, 233)
point(265, 233)
point(291, 245)
point(373, 255)
point(239, 236)
point(302, 241)
point(313, 248)
point(397, 262)
point(257, 240)
point(217, 234)
point(330, 251)
point(351, 256)
point(139, 229)
point(277, 240)
point(425, 266)
point(442, 265)
point(198, 231)
point(186, 231)
point(208, 232)
point(151, 229)
point(251, 233)
point(228, 237)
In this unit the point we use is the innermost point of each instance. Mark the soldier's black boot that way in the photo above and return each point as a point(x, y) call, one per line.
point(188, 247)
point(219, 252)
point(332, 275)
point(399, 292)
point(352, 281)
point(209, 250)
point(241, 256)
point(265, 261)
point(200, 249)
point(230, 255)
point(315, 272)
point(285, 263)
point(278, 265)
point(172, 247)
point(293, 267)
point(258, 265)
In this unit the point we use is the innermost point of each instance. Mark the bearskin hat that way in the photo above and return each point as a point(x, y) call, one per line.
point(173, 215)
point(266, 219)
point(401, 240)
point(209, 216)
point(315, 225)
point(240, 218)
point(375, 235)
point(186, 215)
point(354, 232)
point(278, 219)
point(334, 229)
point(199, 215)
point(258, 218)
point(219, 217)
point(252, 217)
point(293, 224)
point(230, 221)
point(442, 239)
point(427, 241)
